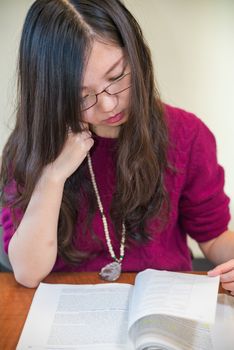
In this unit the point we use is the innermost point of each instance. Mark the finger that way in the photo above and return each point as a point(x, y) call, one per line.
point(69, 130)
point(213, 273)
point(228, 286)
point(84, 126)
point(85, 135)
point(222, 268)
point(227, 277)
point(83, 131)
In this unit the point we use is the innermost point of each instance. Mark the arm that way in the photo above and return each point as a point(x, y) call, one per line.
point(33, 247)
point(204, 206)
point(221, 251)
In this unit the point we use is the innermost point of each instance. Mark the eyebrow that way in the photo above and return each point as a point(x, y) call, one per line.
point(109, 70)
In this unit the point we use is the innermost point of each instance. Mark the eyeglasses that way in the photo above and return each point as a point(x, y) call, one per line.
point(119, 85)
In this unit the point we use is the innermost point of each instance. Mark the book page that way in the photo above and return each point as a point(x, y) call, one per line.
point(152, 332)
point(168, 332)
point(77, 317)
point(172, 311)
point(175, 294)
point(222, 331)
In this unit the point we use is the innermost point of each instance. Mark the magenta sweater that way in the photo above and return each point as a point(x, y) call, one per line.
point(199, 206)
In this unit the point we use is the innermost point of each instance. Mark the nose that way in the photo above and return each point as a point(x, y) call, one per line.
point(106, 102)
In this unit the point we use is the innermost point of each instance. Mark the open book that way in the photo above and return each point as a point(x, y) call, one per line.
point(163, 310)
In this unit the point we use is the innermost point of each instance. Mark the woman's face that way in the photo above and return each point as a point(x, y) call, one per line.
point(106, 68)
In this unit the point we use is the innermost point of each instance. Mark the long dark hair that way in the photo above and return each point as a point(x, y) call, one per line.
point(56, 40)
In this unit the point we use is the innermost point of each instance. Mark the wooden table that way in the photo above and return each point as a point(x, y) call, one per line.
point(15, 300)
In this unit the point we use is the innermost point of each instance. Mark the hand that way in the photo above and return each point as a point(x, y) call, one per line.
point(226, 272)
point(72, 155)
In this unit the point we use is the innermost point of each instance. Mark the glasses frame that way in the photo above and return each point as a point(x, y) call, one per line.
point(105, 90)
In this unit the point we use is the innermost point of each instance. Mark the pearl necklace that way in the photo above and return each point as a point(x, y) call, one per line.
point(112, 271)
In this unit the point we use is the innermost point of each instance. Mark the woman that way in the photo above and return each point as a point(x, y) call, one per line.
point(98, 174)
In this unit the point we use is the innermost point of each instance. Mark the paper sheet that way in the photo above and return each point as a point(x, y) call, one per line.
point(77, 317)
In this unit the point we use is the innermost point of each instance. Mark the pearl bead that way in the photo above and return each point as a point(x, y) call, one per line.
point(104, 220)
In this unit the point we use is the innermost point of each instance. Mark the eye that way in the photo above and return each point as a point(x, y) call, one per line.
point(86, 96)
point(116, 78)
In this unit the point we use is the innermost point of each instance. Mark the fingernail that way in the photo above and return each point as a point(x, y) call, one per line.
point(211, 272)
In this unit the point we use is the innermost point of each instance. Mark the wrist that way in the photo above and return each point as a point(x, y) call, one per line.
point(51, 175)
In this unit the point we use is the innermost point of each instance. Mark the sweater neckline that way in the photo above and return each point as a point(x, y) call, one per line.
point(104, 141)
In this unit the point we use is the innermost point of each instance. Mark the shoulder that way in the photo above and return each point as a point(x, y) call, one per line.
point(181, 122)
point(185, 128)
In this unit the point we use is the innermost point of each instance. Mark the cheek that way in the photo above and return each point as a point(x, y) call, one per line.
point(87, 117)
point(125, 100)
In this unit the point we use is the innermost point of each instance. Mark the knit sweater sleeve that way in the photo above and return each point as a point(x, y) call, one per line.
point(204, 206)
point(9, 218)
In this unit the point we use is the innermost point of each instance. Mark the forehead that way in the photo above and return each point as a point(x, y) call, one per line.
point(102, 57)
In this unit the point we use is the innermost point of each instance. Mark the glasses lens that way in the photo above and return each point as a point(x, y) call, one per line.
point(116, 87)
point(88, 102)
point(120, 85)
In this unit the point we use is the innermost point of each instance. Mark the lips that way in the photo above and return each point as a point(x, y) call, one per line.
point(115, 119)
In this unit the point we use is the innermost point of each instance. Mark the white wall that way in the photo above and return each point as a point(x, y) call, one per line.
point(192, 43)
point(193, 50)
point(12, 14)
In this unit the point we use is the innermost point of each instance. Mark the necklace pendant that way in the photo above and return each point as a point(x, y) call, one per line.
point(111, 272)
